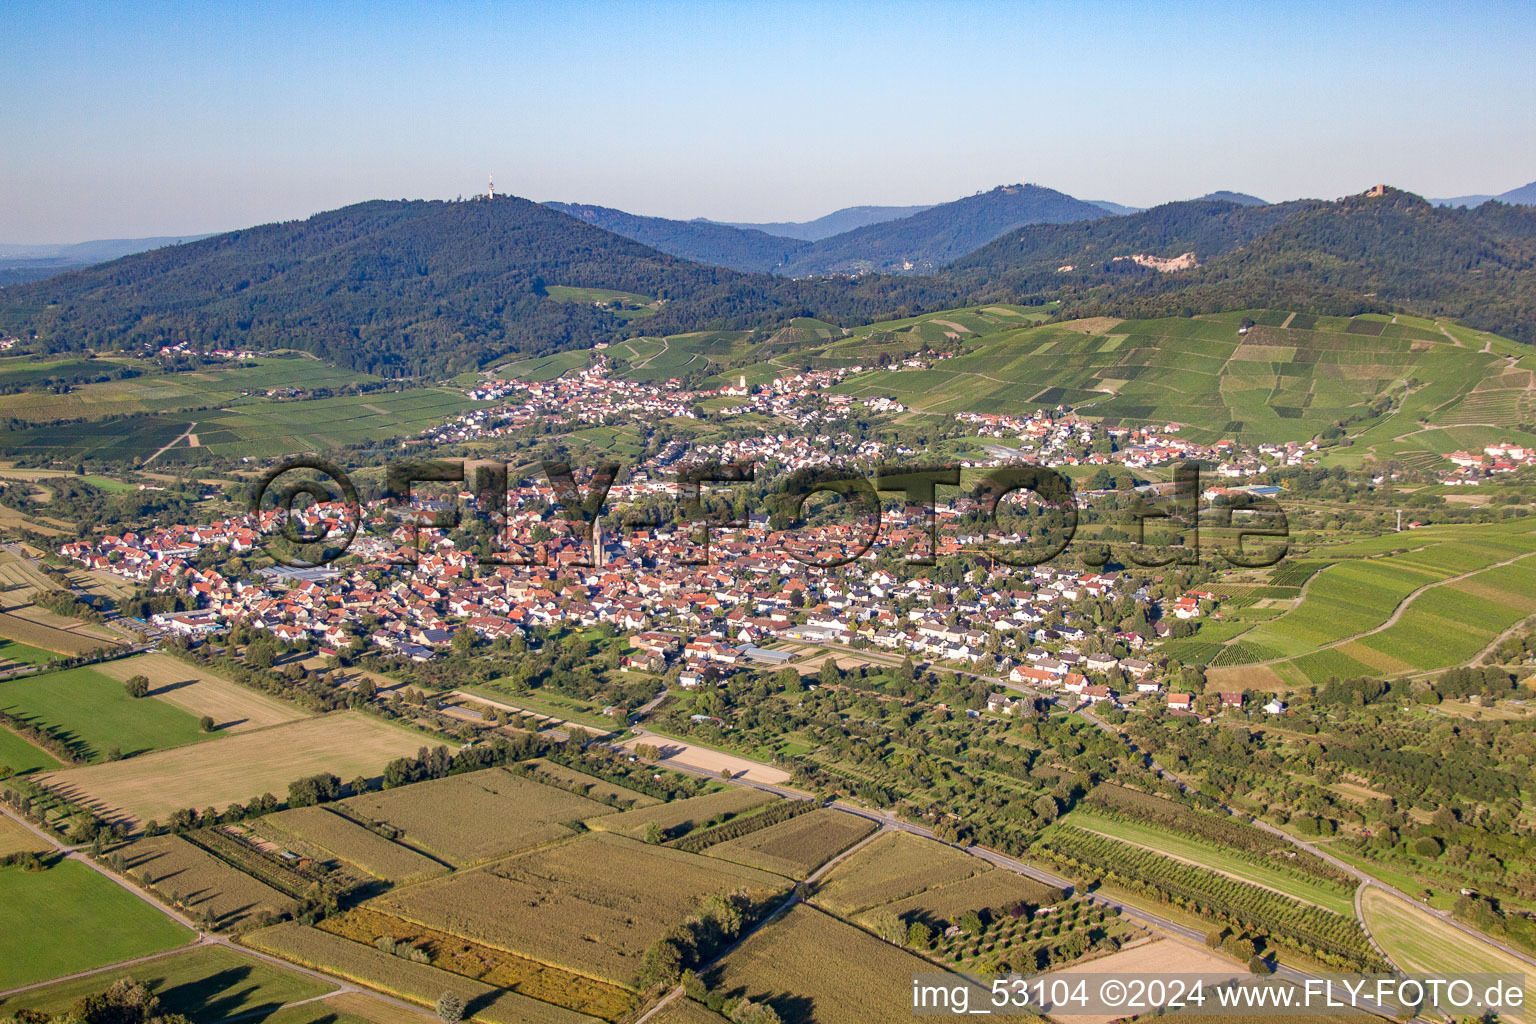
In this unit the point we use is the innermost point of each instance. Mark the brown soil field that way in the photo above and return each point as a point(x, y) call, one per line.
point(712, 761)
point(1162, 959)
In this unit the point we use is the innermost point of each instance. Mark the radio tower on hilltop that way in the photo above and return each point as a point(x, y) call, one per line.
point(490, 190)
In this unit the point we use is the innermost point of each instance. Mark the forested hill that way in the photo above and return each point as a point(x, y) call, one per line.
point(1032, 259)
point(928, 240)
point(719, 245)
point(1354, 255)
point(415, 287)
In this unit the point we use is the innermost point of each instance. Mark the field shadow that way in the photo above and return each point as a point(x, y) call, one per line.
point(222, 996)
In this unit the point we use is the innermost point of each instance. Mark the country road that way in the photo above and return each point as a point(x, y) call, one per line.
point(171, 444)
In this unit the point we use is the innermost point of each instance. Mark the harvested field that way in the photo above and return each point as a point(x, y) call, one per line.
point(236, 768)
point(485, 963)
point(336, 836)
point(469, 819)
point(814, 969)
point(683, 1010)
point(587, 785)
point(590, 905)
point(1419, 942)
point(202, 883)
point(419, 983)
point(681, 816)
point(376, 1011)
point(891, 868)
point(995, 889)
point(49, 637)
point(705, 759)
point(232, 707)
point(796, 847)
point(17, 838)
point(1164, 957)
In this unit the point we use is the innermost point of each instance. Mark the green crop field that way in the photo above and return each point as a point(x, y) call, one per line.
point(657, 359)
point(96, 714)
point(1172, 842)
point(255, 426)
point(279, 428)
point(1449, 585)
point(20, 755)
point(542, 367)
point(69, 918)
point(624, 305)
point(159, 392)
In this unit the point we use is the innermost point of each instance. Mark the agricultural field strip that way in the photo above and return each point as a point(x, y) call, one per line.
point(469, 819)
point(596, 884)
point(1275, 629)
point(235, 768)
point(1169, 844)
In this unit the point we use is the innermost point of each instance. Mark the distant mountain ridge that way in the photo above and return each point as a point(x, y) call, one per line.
point(1525, 195)
point(702, 241)
point(834, 223)
point(20, 263)
point(433, 288)
point(918, 243)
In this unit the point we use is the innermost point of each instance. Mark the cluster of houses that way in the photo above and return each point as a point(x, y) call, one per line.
point(1058, 437)
point(182, 348)
point(407, 589)
point(1472, 468)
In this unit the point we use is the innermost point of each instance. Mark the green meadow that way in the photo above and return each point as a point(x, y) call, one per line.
point(69, 918)
point(95, 713)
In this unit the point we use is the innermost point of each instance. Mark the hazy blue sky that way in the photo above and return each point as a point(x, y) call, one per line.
point(144, 119)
